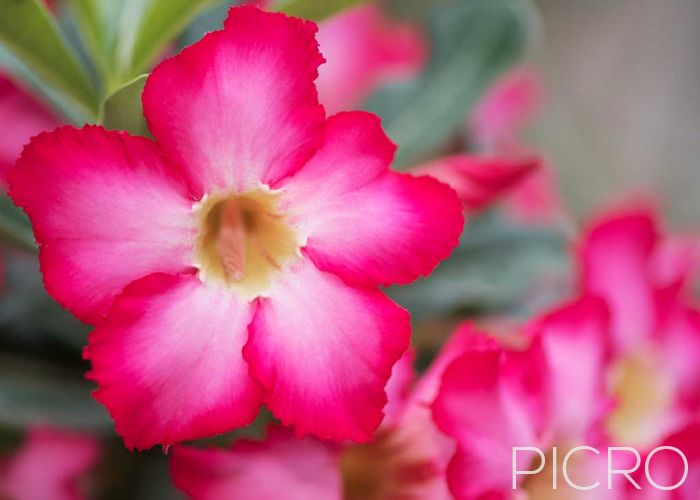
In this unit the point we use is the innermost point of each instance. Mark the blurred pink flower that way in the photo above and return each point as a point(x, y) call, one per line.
point(497, 125)
point(654, 372)
point(406, 459)
point(496, 397)
point(506, 109)
point(619, 366)
point(364, 49)
point(48, 466)
point(236, 261)
point(21, 117)
point(480, 180)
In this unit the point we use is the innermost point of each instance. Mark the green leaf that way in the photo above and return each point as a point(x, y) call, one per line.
point(161, 23)
point(472, 42)
point(33, 393)
point(313, 9)
point(123, 110)
point(495, 267)
point(124, 37)
point(31, 34)
point(15, 228)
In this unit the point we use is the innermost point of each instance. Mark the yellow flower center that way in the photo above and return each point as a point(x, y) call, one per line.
point(643, 395)
point(243, 240)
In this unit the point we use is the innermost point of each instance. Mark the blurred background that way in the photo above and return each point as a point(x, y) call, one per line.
point(607, 94)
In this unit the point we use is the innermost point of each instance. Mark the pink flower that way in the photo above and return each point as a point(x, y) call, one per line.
point(495, 397)
point(21, 117)
point(48, 466)
point(654, 374)
point(480, 180)
point(619, 366)
point(237, 259)
point(363, 50)
point(406, 459)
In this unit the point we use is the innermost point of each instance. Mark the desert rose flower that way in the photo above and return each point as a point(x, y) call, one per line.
point(235, 260)
point(617, 367)
point(48, 466)
point(653, 373)
point(406, 459)
point(497, 397)
point(364, 49)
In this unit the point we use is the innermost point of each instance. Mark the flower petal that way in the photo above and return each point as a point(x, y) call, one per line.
point(616, 257)
point(576, 331)
point(364, 49)
point(282, 467)
point(49, 465)
point(364, 223)
point(485, 405)
point(323, 352)
point(106, 210)
point(168, 361)
point(480, 180)
point(398, 387)
point(239, 107)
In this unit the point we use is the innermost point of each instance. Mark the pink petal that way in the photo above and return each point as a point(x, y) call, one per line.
point(678, 346)
point(21, 117)
point(239, 107)
point(399, 386)
point(536, 199)
point(616, 257)
point(506, 108)
point(676, 260)
point(577, 331)
point(364, 223)
point(480, 180)
point(106, 210)
point(364, 49)
point(282, 467)
point(168, 361)
point(323, 352)
point(486, 403)
point(48, 466)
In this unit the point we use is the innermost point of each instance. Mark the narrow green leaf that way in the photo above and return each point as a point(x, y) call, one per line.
point(15, 228)
point(30, 33)
point(472, 41)
point(159, 25)
point(123, 110)
point(314, 9)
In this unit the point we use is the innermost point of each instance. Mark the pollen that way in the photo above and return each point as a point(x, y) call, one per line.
point(243, 240)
